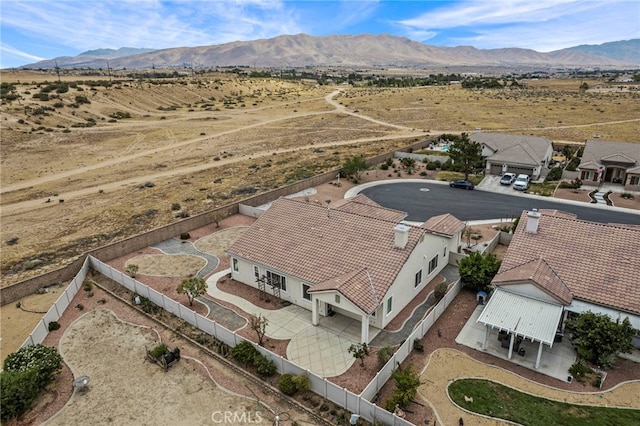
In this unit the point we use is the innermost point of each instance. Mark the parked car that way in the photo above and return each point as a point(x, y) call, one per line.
point(507, 179)
point(461, 183)
point(521, 183)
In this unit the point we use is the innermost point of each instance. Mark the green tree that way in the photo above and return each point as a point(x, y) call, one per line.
point(259, 325)
point(353, 166)
point(477, 270)
point(26, 372)
point(359, 351)
point(192, 287)
point(44, 359)
point(466, 154)
point(600, 340)
point(407, 383)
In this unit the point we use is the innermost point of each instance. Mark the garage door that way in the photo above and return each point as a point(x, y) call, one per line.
point(496, 169)
point(521, 170)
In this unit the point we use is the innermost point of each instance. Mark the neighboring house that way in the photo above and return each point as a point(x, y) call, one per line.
point(517, 154)
point(616, 162)
point(557, 265)
point(354, 258)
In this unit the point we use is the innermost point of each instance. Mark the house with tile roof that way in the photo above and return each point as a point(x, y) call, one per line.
point(519, 154)
point(557, 265)
point(615, 162)
point(354, 258)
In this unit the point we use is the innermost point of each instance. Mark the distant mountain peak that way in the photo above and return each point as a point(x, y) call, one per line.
point(368, 50)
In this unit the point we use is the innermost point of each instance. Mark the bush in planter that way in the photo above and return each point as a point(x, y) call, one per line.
point(440, 291)
point(264, 367)
point(158, 351)
point(244, 352)
point(384, 355)
point(287, 385)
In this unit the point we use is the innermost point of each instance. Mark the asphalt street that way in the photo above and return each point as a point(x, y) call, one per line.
point(424, 200)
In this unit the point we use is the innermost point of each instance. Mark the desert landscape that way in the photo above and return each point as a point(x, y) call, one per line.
point(103, 160)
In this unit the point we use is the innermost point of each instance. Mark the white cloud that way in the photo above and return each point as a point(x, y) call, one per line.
point(543, 25)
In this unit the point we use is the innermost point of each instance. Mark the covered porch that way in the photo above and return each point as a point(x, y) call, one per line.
point(521, 330)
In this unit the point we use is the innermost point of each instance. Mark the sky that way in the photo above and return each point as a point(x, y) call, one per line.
point(33, 30)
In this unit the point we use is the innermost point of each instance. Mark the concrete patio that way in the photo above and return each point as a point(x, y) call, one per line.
point(555, 361)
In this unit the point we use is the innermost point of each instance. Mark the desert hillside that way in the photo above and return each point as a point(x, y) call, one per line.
point(89, 160)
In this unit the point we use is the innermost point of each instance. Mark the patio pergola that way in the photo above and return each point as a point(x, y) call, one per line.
point(521, 315)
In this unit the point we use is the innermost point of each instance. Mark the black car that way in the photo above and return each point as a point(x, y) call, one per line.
point(464, 184)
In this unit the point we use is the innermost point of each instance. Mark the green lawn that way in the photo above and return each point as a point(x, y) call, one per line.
point(493, 399)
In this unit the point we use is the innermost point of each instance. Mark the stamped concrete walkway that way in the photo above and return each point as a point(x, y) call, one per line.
point(317, 349)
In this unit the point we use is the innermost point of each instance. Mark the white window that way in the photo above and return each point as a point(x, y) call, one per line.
point(305, 292)
point(274, 279)
point(433, 264)
point(418, 279)
point(235, 265)
point(389, 305)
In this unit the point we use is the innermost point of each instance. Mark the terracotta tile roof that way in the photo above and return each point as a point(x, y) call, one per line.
point(445, 224)
point(363, 205)
point(316, 244)
point(539, 272)
point(355, 286)
point(599, 263)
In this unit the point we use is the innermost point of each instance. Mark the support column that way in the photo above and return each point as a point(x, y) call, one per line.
point(364, 333)
point(486, 336)
point(315, 320)
point(539, 356)
point(513, 337)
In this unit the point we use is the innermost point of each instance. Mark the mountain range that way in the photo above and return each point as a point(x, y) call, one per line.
point(365, 50)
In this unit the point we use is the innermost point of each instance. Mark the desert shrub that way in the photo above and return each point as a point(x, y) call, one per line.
point(44, 360)
point(579, 370)
point(417, 345)
point(158, 351)
point(627, 195)
point(446, 165)
point(18, 390)
point(287, 385)
point(431, 165)
point(82, 100)
point(264, 367)
point(182, 214)
point(54, 325)
point(384, 166)
point(302, 382)
point(385, 354)
point(175, 206)
point(185, 236)
point(554, 174)
point(87, 286)
point(244, 352)
point(440, 291)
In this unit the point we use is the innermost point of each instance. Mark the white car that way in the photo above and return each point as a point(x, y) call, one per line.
point(521, 183)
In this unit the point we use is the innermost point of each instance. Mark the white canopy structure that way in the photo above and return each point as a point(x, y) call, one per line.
point(521, 315)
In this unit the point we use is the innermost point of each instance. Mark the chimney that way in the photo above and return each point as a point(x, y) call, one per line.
point(401, 236)
point(533, 220)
